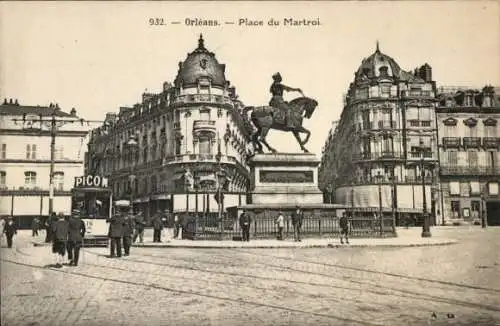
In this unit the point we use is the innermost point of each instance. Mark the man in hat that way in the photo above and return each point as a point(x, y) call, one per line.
point(115, 233)
point(76, 233)
point(277, 101)
point(60, 233)
point(280, 222)
point(128, 231)
point(139, 227)
point(157, 226)
point(9, 229)
point(297, 218)
point(245, 221)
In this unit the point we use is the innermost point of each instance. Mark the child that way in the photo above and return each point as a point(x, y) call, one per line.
point(344, 228)
point(280, 222)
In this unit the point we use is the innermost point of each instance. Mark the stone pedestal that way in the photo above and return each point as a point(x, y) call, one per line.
point(286, 179)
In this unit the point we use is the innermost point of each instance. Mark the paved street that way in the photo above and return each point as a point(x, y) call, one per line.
point(455, 284)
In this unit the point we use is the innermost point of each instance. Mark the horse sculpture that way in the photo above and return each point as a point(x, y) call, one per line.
point(265, 118)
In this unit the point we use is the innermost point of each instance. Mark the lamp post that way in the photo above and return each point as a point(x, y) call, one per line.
point(426, 229)
point(393, 200)
point(379, 180)
point(132, 145)
point(219, 175)
point(483, 215)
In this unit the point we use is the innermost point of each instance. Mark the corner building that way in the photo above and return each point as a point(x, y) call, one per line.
point(194, 125)
point(372, 159)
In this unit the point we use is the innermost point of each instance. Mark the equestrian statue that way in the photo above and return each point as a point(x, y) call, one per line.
point(281, 115)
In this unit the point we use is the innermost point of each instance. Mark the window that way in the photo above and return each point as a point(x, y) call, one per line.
point(385, 90)
point(204, 114)
point(58, 152)
point(454, 188)
point(58, 181)
point(178, 146)
point(144, 155)
point(153, 184)
point(3, 178)
point(387, 144)
point(426, 123)
point(452, 158)
point(31, 152)
point(475, 205)
point(366, 119)
point(204, 146)
point(4, 151)
point(30, 178)
point(414, 123)
point(472, 158)
point(455, 209)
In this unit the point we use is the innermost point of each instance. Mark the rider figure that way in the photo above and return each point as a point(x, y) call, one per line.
point(277, 100)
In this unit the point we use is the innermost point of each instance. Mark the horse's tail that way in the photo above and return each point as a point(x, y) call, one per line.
point(246, 109)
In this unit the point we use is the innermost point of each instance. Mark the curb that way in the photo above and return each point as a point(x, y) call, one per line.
point(286, 246)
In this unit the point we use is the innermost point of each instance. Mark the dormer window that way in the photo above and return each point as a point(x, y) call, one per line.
point(383, 71)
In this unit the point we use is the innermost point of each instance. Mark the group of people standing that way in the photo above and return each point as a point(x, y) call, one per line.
point(66, 234)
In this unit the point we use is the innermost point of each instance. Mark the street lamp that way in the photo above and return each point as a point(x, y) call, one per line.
point(132, 144)
point(393, 200)
point(483, 215)
point(426, 229)
point(379, 180)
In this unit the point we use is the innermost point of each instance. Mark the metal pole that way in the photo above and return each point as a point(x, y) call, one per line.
point(53, 131)
point(483, 215)
point(426, 233)
point(380, 209)
point(393, 199)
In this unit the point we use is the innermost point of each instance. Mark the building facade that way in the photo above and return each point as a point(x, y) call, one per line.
point(166, 152)
point(469, 140)
point(25, 144)
point(385, 142)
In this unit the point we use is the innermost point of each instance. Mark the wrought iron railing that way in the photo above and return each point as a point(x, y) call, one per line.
point(264, 227)
point(470, 170)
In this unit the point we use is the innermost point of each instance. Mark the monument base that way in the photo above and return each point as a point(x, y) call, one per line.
point(284, 178)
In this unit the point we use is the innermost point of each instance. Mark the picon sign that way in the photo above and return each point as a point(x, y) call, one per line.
point(95, 181)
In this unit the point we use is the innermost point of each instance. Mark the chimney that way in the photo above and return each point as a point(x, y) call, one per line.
point(16, 102)
point(73, 112)
point(10, 101)
point(5, 101)
point(425, 72)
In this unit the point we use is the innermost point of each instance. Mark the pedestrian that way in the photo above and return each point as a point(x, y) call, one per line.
point(60, 231)
point(139, 227)
point(169, 225)
point(177, 225)
point(245, 221)
point(76, 233)
point(48, 227)
point(35, 224)
point(157, 226)
point(280, 222)
point(2, 226)
point(128, 231)
point(344, 228)
point(297, 218)
point(10, 229)
point(115, 233)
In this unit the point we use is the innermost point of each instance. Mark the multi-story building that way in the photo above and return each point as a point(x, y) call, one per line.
point(469, 143)
point(165, 151)
point(25, 144)
point(373, 158)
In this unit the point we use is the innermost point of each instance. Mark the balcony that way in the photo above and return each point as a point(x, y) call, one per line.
point(416, 93)
point(386, 124)
point(491, 143)
point(418, 154)
point(470, 170)
point(415, 179)
point(382, 156)
point(451, 142)
point(201, 98)
point(472, 142)
point(203, 127)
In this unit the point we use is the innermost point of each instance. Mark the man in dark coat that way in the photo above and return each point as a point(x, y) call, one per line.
point(60, 233)
point(9, 229)
point(48, 226)
point(128, 232)
point(297, 218)
point(76, 232)
point(139, 227)
point(344, 228)
point(245, 221)
point(115, 233)
point(157, 226)
point(35, 224)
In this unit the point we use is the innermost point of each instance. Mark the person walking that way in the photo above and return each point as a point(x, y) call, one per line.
point(10, 229)
point(169, 225)
point(60, 231)
point(139, 227)
point(128, 231)
point(48, 227)
point(280, 222)
point(76, 233)
point(2, 227)
point(115, 233)
point(35, 224)
point(297, 218)
point(245, 221)
point(157, 226)
point(344, 228)
point(177, 225)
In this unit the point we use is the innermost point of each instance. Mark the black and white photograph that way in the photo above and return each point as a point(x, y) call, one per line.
point(249, 163)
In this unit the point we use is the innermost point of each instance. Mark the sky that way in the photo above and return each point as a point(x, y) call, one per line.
point(97, 57)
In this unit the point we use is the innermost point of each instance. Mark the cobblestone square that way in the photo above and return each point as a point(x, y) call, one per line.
point(441, 285)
